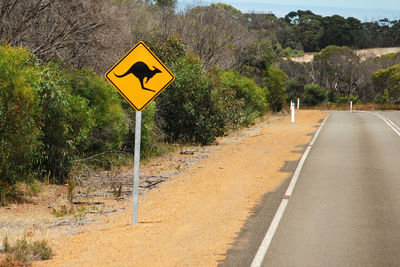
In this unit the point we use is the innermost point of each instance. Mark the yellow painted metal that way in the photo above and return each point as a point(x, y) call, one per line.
point(140, 76)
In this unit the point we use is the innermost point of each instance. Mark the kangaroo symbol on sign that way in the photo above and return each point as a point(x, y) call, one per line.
point(141, 71)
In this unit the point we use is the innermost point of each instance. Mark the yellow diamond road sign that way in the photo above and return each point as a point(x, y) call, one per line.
point(140, 76)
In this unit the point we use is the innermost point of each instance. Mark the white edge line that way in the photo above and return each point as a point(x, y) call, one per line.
point(262, 250)
point(302, 160)
point(390, 123)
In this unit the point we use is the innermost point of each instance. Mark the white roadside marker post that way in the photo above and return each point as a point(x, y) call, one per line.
point(292, 110)
point(351, 106)
point(298, 103)
point(136, 165)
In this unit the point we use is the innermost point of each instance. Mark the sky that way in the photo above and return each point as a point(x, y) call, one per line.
point(364, 10)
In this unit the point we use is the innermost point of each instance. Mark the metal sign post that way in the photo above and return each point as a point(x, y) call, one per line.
point(136, 165)
point(139, 77)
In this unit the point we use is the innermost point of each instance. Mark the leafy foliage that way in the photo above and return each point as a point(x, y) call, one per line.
point(249, 92)
point(314, 95)
point(49, 117)
point(199, 106)
point(25, 251)
point(276, 89)
point(20, 134)
point(315, 32)
point(151, 136)
point(105, 103)
point(66, 122)
point(295, 87)
point(387, 83)
point(186, 109)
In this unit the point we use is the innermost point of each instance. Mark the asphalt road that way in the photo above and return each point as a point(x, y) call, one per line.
point(345, 208)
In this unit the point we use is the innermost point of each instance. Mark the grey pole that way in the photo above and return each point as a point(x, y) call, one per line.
point(136, 164)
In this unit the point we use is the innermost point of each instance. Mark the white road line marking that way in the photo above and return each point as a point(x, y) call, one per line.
point(394, 125)
point(302, 160)
point(262, 250)
point(391, 124)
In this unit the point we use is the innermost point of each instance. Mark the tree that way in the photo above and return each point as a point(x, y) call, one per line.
point(53, 28)
point(215, 33)
point(295, 87)
point(339, 31)
point(307, 26)
point(313, 95)
point(19, 116)
point(276, 89)
point(166, 5)
point(311, 32)
point(337, 68)
point(387, 84)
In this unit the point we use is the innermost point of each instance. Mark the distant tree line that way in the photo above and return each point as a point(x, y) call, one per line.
point(311, 33)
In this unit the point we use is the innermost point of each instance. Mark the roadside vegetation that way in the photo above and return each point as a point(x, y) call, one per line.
point(57, 112)
point(24, 251)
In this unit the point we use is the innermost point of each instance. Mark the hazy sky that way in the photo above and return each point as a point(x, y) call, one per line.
point(365, 10)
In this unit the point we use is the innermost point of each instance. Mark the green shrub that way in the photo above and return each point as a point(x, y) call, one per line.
point(22, 251)
point(25, 252)
point(185, 110)
point(229, 109)
point(387, 83)
point(51, 115)
point(276, 89)
point(66, 123)
point(313, 95)
point(382, 98)
point(150, 141)
point(41, 250)
point(249, 93)
point(332, 96)
point(199, 106)
point(295, 87)
point(347, 98)
point(20, 135)
point(290, 52)
point(63, 211)
point(169, 51)
point(105, 102)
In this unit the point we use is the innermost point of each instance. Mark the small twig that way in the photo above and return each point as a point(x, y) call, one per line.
point(91, 157)
point(62, 222)
point(106, 211)
point(152, 184)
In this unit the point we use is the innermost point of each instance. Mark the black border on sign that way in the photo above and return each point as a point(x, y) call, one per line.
point(159, 61)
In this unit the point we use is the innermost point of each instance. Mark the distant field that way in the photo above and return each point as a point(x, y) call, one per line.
point(363, 53)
